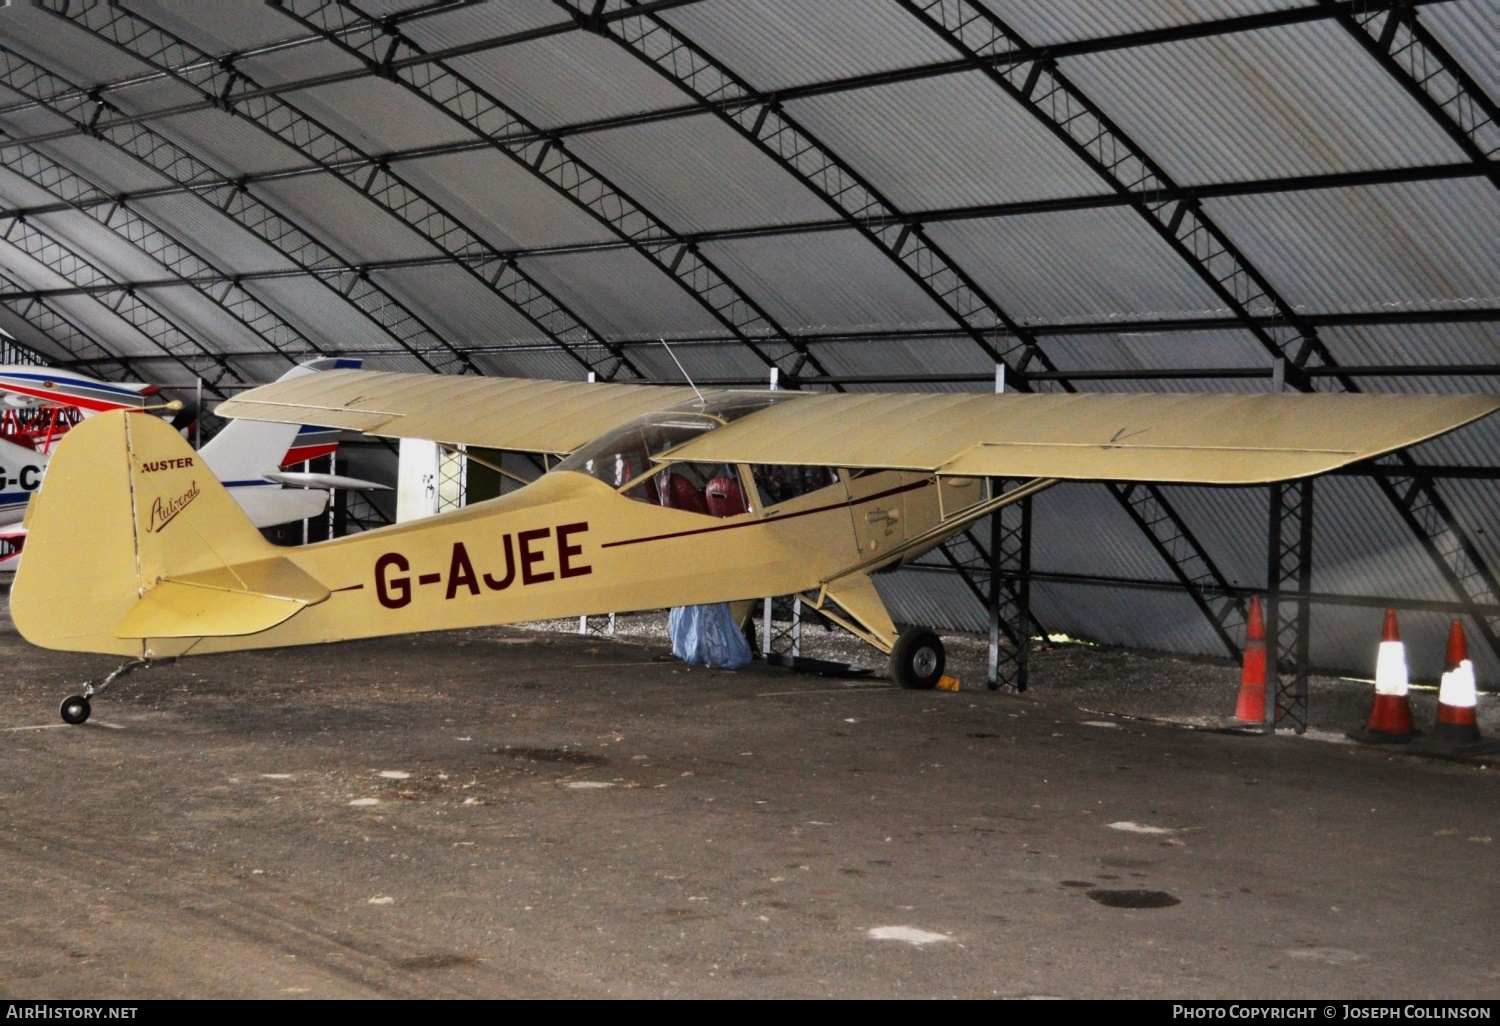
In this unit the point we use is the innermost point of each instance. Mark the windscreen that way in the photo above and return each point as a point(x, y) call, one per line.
point(622, 455)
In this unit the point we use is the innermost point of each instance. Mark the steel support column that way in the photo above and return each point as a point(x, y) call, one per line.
point(1289, 555)
point(1010, 607)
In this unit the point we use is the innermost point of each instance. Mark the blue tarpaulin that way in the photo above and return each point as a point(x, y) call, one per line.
point(708, 636)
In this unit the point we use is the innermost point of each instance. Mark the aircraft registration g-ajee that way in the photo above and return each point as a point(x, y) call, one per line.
point(662, 497)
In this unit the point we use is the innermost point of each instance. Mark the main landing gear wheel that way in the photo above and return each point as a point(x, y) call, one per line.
point(917, 660)
point(75, 709)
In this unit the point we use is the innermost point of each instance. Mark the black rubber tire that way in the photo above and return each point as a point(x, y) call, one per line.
point(917, 660)
point(75, 709)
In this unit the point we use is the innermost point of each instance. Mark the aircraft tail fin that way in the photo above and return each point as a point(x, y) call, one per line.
point(246, 450)
point(132, 540)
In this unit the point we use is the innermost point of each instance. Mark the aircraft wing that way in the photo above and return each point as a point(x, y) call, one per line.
point(1167, 437)
point(518, 414)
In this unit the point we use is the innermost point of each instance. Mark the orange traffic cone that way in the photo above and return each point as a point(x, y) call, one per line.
point(1458, 695)
point(1390, 719)
point(1251, 707)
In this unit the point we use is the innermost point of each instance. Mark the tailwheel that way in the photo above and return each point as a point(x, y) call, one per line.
point(75, 709)
point(917, 659)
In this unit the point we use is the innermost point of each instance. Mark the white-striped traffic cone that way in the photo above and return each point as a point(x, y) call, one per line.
point(1390, 719)
point(1457, 722)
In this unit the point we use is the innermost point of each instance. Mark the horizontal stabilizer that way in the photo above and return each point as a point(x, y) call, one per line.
point(297, 479)
point(243, 599)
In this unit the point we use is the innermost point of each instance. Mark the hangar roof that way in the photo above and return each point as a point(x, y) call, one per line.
point(863, 194)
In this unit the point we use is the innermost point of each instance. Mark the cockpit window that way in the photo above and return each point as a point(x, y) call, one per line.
point(778, 484)
point(620, 456)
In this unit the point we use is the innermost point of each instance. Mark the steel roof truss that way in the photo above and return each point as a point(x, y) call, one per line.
point(237, 93)
point(1424, 67)
point(62, 332)
point(151, 239)
point(152, 322)
point(379, 44)
point(1041, 88)
point(227, 196)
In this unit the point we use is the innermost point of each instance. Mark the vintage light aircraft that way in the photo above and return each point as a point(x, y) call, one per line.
point(664, 497)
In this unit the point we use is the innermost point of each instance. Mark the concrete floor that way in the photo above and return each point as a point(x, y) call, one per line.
point(512, 813)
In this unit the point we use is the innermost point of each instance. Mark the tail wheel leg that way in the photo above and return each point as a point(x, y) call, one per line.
point(917, 659)
point(75, 709)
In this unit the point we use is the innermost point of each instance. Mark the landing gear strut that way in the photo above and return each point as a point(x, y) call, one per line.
point(917, 659)
point(76, 708)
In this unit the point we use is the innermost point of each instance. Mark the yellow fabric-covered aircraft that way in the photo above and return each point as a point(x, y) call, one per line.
point(664, 498)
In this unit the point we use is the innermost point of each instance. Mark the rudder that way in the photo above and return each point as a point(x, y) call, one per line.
point(126, 504)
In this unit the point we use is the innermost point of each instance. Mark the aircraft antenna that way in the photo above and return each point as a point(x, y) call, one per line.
point(681, 368)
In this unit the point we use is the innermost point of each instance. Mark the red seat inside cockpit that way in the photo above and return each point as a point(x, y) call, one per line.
point(724, 497)
point(683, 494)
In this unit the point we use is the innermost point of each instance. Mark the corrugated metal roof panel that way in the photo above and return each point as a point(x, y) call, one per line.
point(357, 229)
point(112, 171)
point(28, 336)
point(552, 364)
point(229, 144)
point(113, 333)
point(112, 254)
point(621, 293)
point(941, 355)
point(1302, 99)
point(321, 314)
point(298, 64)
point(377, 116)
point(697, 174)
point(942, 142)
point(702, 362)
point(568, 79)
point(472, 22)
point(827, 281)
point(1470, 32)
point(1361, 547)
point(211, 234)
point(503, 202)
point(1159, 351)
point(1112, 545)
point(17, 191)
point(1042, 22)
point(19, 124)
point(459, 307)
point(222, 28)
point(1075, 265)
point(777, 43)
point(1392, 247)
point(73, 53)
point(1164, 621)
point(931, 599)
